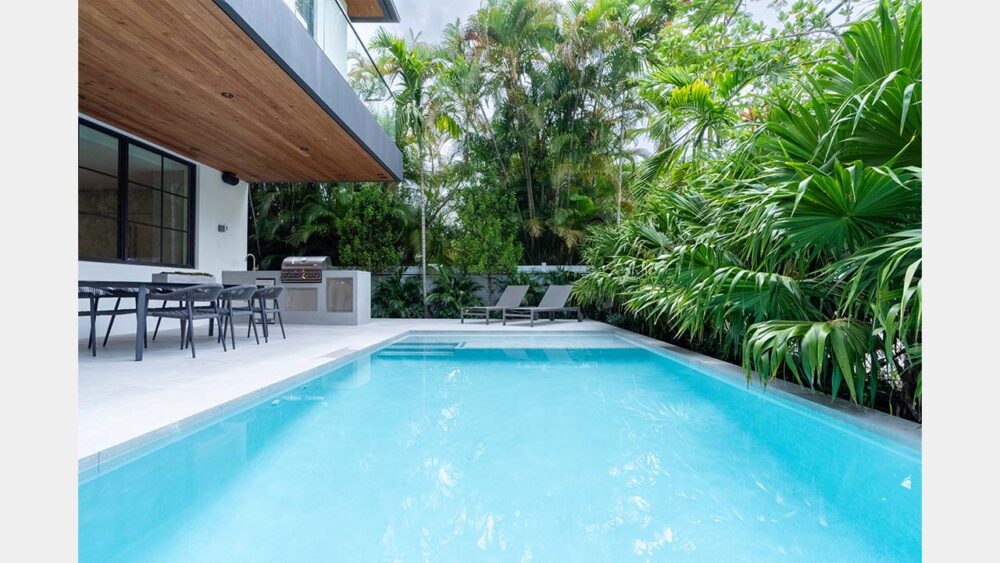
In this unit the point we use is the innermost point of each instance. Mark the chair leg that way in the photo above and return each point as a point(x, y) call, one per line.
point(157, 329)
point(190, 328)
point(254, 325)
point(93, 327)
point(219, 316)
point(111, 323)
point(281, 323)
point(263, 319)
point(232, 333)
point(183, 334)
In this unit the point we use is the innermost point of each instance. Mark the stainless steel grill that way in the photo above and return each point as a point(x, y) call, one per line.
point(304, 269)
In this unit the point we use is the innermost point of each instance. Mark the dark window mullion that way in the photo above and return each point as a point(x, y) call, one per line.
point(192, 186)
point(97, 171)
point(162, 167)
point(122, 199)
point(162, 228)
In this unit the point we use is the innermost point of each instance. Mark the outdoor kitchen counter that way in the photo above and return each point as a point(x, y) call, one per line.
point(339, 297)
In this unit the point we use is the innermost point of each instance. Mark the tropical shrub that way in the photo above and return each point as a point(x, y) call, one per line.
point(452, 290)
point(363, 241)
point(397, 297)
point(487, 240)
point(792, 242)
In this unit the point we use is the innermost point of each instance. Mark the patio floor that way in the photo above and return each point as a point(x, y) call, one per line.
point(124, 404)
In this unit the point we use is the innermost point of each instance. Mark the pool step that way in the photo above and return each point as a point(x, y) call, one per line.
point(418, 350)
point(405, 354)
point(425, 345)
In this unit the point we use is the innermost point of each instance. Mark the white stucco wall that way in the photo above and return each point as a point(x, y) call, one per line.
point(216, 204)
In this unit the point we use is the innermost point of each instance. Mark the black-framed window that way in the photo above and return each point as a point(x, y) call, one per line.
point(136, 203)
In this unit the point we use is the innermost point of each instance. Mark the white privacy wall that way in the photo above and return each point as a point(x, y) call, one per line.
point(216, 204)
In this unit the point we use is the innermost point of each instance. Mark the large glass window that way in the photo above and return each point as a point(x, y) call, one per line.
point(136, 204)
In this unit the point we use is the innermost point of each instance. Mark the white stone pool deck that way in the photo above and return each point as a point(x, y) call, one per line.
point(125, 406)
point(124, 403)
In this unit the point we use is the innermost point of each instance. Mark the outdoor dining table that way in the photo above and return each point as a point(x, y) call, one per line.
point(141, 300)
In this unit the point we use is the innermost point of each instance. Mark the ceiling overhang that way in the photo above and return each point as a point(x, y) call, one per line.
point(372, 11)
point(237, 85)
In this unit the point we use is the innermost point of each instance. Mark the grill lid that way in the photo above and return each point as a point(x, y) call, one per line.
point(307, 263)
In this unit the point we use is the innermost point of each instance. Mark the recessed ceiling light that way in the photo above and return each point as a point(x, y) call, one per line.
point(226, 95)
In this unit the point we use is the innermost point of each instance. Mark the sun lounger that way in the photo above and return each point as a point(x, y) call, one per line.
point(511, 297)
point(554, 301)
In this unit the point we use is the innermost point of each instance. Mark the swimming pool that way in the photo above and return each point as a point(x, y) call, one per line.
point(508, 448)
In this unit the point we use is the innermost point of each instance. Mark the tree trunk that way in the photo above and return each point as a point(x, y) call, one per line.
point(489, 128)
point(423, 233)
point(621, 141)
point(526, 161)
point(527, 178)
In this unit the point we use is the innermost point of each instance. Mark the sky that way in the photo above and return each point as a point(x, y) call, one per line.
point(428, 17)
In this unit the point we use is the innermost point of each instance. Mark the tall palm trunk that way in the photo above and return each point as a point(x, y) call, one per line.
point(525, 160)
point(423, 231)
point(489, 129)
point(621, 141)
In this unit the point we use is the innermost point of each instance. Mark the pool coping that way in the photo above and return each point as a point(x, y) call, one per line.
point(900, 431)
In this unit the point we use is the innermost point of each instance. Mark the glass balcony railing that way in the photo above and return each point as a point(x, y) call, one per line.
point(328, 24)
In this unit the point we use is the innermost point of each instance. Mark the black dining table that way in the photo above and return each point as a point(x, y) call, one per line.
point(142, 290)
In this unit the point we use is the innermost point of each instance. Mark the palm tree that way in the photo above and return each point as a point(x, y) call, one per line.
point(410, 68)
point(511, 37)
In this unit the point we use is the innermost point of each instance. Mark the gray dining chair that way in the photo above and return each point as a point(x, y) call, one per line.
point(230, 300)
point(197, 302)
point(93, 295)
point(259, 305)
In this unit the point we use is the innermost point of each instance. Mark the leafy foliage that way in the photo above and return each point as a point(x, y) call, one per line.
point(452, 291)
point(363, 241)
point(487, 241)
point(780, 225)
point(397, 297)
point(363, 225)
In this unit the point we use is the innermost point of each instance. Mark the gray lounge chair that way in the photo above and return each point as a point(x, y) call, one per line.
point(554, 301)
point(511, 297)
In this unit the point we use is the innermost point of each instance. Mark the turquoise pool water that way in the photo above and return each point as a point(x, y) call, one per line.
point(450, 450)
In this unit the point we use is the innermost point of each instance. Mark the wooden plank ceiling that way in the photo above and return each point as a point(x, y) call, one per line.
point(183, 75)
point(365, 9)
